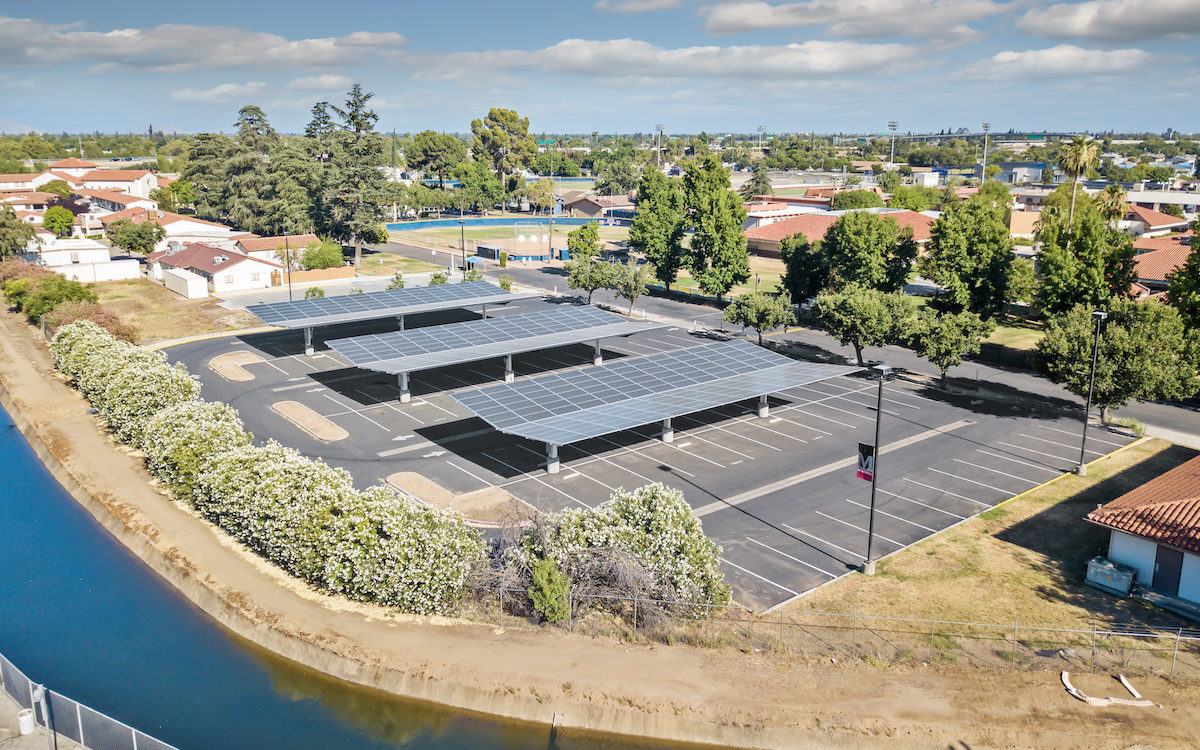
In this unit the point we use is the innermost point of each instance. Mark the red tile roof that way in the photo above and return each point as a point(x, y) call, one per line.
point(17, 177)
point(1155, 219)
point(113, 196)
point(276, 243)
point(115, 175)
point(203, 258)
point(1144, 244)
point(814, 226)
point(73, 164)
point(1165, 510)
point(72, 179)
point(1155, 265)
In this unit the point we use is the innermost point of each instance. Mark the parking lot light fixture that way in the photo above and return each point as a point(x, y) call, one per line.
point(1081, 468)
point(882, 371)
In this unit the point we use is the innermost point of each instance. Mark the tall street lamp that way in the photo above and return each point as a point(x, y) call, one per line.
point(986, 127)
point(892, 126)
point(462, 233)
point(882, 370)
point(1081, 468)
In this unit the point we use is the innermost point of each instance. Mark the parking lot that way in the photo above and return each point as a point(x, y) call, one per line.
point(778, 493)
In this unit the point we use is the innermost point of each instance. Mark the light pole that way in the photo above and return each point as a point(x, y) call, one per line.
point(287, 254)
point(869, 564)
point(658, 149)
point(1081, 468)
point(462, 233)
point(986, 127)
point(761, 129)
point(892, 126)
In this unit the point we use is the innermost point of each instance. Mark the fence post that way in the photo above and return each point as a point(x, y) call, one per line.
point(1012, 657)
point(1175, 654)
point(931, 639)
point(571, 610)
point(635, 609)
point(1093, 644)
point(502, 608)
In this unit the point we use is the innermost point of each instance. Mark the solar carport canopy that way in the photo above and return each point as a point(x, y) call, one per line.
point(455, 343)
point(568, 407)
point(352, 307)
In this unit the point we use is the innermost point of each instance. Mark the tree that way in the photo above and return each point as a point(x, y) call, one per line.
point(436, 153)
point(888, 182)
point(629, 281)
point(588, 274)
point(761, 311)
point(314, 292)
point(135, 238)
point(1022, 281)
point(319, 132)
point(438, 279)
point(1085, 266)
point(583, 242)
point(657, 229)
point(945, 338)
point(354, 185)
point(806, 269)
point(618, 178)
point(869, 250)
point(550, 592)
point(176, 196)
point(847, 199)
point(396, 282)
point(865, 317)
point(503, 137)
point(479, 187)
point(970, 255)
point(206, 172)
point(759, 182)
point(57, 187)
point(293, 183)
point(915, 198)
point(254, 132)
point(58, 220)
point(1076, 158)
point(1145, 352)
point(717, 256)
point(324, 254)
point(541, 193)
point(245, 188)
point(1170, 209)
point(38, 297)
point(1183, 289)
point(1112, 204)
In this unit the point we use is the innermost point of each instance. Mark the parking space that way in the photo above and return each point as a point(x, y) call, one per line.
point(778, 493)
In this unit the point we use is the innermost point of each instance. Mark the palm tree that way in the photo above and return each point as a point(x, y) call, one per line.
point(1076, 158)
point(1112, 203)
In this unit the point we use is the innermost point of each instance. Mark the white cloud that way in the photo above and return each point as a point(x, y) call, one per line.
point(179, 47)
point(325, 82)
point(637, 6)
point(865, 19)
point(631, 57)
point(220, 93)
point(1063, 61)
point(1114, 20)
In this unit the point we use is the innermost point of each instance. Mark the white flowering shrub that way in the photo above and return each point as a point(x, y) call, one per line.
point(76, 344)
point(181, 440)
point(653, 523)
point(133, 394)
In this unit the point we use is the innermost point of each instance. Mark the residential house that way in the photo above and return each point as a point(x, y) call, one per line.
point(1156, 199)
point(1023, 224)
point(1017, 172)
point(137, 182)
point(224, 269)
point(1156, 257)
point(1155, 529)
point(73, 167)
point(762, 213)
point(764, 240)
point(27, 201)
point(180, 230)
point(112, 201)
point(1144, 222)
point(273, 248)
point(598, 206)
point(80, 259)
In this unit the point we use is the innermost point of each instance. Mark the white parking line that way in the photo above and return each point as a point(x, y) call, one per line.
point(610, 488)
point(790, 557)
point(469, 473)
point(1051, 442)
point(1018, 461)
point(427, 402)
point(854, 555)
point(1038, 451)
point(883, 512)
point(539, 480)
point(756, 575)
point(947, 492)
point(972, 481)
point(859, 528)
point(885, 396)
point(1076, 434)
point(997, 471)
point(726, 429)
point(918, 502)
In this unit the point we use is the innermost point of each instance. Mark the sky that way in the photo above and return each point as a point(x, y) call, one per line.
point(577, 66)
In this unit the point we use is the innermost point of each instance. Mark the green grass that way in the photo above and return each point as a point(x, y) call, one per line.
point(766, 271)
point(451, 236)
point(372, 265)
point(1020, 336)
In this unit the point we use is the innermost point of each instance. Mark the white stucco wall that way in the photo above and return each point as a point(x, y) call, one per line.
point(185, 283)
point(1189, 580)
point(241, 277)
point(111, 270)
point(1134, 552)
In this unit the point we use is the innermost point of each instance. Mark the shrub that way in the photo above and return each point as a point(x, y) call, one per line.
point(358, 290)
point(85, 352)
point(73, 310)
point(550, 591)
point(396, 282)
point(141, 389)
point(181, 440)
point(438, 279)
point(506, 282)
point(12, 269)
point(314, 292)
point(327, 254)
point(38, 296)
point(503, 259)
point(473, 274)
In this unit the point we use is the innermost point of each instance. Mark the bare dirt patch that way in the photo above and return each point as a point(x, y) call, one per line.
point(230, 365)
point(489, 505)
point(309, 421)
point(161, 315)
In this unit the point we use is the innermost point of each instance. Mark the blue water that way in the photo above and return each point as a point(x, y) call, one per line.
point(85, 617)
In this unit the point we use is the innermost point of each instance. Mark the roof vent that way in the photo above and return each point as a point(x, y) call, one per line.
point(220, 259)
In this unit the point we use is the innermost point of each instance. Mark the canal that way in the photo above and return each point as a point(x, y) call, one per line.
point(87, 618)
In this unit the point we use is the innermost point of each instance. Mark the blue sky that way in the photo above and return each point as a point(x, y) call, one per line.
point(612, 65)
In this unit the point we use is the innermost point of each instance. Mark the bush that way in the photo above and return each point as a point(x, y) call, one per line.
point(358, 290)
point(39, 295)
point(12, 269)
point(550, 592)
point(503, 259)
point(69, 312)
point(181, 441)
point(396, 282)
point(473, 274)
point(437, 279)
point(314, 292)
point(327, 254)
point(141, 389)
point(506, 282)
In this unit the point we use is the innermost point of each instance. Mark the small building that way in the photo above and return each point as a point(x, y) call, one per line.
point(273, 249)
point(1157, 257)
point(73, 167)
point(56, 251)
point(1144, 222)
point(225, 270)
point(597, 206)
point(1017, 172)
point(1155, 529)
point(1023, 224)
point(137, 182)
point(112, 201)
point(764, 240)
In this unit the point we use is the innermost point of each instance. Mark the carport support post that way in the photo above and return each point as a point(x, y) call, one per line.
point(551, 458)
point(597, 356)
point(668, 432)
point(508, 371)
point(308, 346)
point(402, 384)
point(400, 319)
point(483, 310)
point(763, 407)
point(869, 564)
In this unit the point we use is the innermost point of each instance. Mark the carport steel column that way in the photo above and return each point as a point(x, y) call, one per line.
point(869, 565)
point(508, 370)
point(551, 458)
point(597, 355)
point(308, 345)
point(402, 384)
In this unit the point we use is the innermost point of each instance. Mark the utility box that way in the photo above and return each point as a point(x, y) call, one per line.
point(1110, 576)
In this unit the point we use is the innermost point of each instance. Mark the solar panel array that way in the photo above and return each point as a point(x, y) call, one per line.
point(455, 343)
point(352, 307)
point(571, 406)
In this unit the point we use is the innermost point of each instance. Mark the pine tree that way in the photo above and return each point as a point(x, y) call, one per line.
point(206, 172)
point(244, 197)
point(254, 132)
point(294, 182)
point(354, 185)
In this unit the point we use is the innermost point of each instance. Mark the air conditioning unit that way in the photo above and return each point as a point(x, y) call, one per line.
point(1110, 576)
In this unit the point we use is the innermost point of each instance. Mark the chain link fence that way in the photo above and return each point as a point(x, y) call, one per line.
point(809, 636)
point(68, 719)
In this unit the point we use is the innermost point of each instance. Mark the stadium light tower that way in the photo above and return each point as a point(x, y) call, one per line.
point(986, 127)
point(761, 129)
point(892, 125)
point(658, 151)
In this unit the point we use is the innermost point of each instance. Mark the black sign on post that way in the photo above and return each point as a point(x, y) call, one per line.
point(866, 461)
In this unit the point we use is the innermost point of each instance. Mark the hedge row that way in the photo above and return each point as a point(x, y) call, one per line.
point(298, 513)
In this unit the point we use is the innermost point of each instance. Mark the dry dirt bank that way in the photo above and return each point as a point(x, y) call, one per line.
point(677, 693)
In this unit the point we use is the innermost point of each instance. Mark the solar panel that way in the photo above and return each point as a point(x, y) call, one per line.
point(567, 407)
point(455, 343)
point(352, 307)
